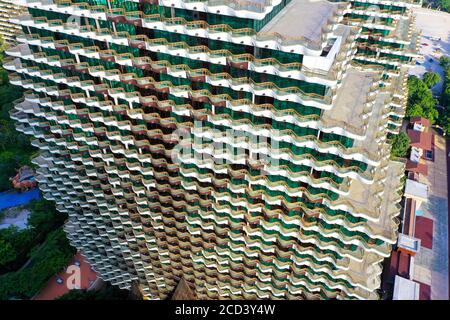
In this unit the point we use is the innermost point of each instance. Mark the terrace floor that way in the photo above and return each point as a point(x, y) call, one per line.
point(310, 27)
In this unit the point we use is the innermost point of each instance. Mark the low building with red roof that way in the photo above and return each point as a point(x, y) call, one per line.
point(417, 167)
point(420, 120)
point(66, 280)
point(421, 139)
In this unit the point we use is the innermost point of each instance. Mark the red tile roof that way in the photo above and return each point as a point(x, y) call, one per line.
point(54, 290)
point(425, 291)
point(417, 167)
point(408, 222)
point(423, 121)
point(422, 140)
point(399, 264)
point(424, 231)
point(403, 265)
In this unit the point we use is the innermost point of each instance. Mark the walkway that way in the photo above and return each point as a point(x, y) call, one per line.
point(432, 265)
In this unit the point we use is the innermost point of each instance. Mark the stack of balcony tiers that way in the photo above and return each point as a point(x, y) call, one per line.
point(8, 10)
point(114, 88)
point(388, 38)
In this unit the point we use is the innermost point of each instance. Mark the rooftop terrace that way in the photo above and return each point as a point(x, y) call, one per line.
point(311, 27)
point(350, 103)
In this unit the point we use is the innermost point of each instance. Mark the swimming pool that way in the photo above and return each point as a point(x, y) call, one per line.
point(10, 199)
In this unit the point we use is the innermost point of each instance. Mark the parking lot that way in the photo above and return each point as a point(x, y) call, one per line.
point(434, 25)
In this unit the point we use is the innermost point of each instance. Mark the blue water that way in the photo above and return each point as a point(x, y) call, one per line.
point(11, 199)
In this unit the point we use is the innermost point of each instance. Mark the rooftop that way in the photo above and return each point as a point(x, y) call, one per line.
point(405, 289)
point(417, 167)
point(416, 190)
point(408, 243)
point(379, 200)
point(183, 291)
point(350, 103)
point(423, 121)
point(54, 289)
point(419, 139)
point(311, 27)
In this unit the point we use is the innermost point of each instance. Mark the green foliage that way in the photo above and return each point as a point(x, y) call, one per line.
point(420, 100)
point(9, 162)
point(18, 243)
point(445, 96)
point(443, 5)
point(3, 77)
point(15, 148)
point(400, 145)
point(43, 219)
point(444, 116)
point(44, 216)
point(16, 246)
point(445, 62)
point(46, 261)
point(445, 121)
point(2, 49)
point(431, 79)
point(7, 253)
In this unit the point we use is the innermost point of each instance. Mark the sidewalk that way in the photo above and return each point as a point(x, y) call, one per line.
point(432, 265)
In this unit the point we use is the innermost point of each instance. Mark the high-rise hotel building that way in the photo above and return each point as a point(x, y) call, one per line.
point(239, 145)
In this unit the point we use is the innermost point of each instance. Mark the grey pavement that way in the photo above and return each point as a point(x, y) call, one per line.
point(433, 24)
point(431, 266)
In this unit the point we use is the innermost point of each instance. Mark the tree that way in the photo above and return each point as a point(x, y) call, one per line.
point(44, 216)
point(7, 169)
point(7, 253)
point(18, 241)
point(400, 145)
point(431, 79)
point(446, 124)
point(46, 260)
point(444, 117)
point(15, 147)
point(444, 4)
point(420, 100)
point(445, 62)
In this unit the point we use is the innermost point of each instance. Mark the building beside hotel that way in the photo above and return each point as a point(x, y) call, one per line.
point(416, 231)
point(8, 10)
point(237, 146)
